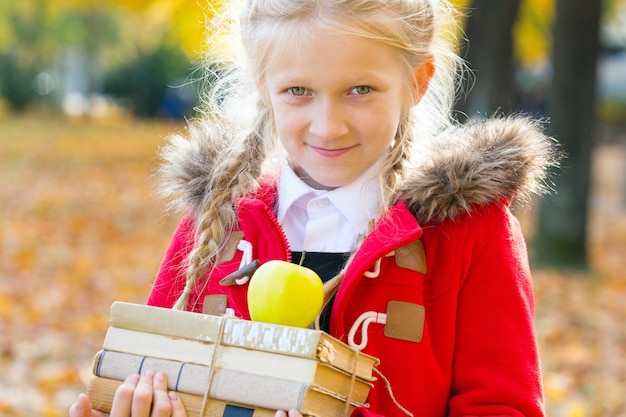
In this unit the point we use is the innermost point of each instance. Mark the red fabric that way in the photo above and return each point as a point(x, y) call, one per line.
point(478, 355)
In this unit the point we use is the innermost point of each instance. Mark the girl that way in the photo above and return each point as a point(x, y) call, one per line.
point(349, 159)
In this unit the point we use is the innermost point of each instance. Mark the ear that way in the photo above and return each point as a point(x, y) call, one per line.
point(421, 78)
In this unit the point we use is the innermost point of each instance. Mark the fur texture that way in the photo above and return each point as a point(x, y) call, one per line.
point(473, 164)
point(187, 164)
point(478, 163)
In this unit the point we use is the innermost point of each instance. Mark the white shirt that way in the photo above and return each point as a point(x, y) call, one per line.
point(323, 220)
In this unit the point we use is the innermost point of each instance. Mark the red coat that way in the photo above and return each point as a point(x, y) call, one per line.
point(466, 345)
point(478, 352)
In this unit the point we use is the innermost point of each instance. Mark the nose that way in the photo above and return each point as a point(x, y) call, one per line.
point(328, 120)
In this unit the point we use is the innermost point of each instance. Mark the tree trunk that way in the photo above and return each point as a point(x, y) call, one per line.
point(489, 53)
point(561, 238)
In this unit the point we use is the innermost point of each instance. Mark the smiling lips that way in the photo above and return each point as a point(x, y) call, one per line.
point(332, 153)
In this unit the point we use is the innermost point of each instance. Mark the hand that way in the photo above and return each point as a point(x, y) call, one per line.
point(144, 396)
point(291, 413)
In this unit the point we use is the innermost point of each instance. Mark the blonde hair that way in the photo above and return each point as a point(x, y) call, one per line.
point(417, 29)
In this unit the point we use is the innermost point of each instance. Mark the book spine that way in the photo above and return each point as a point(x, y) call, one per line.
point(257, 390)
point(174, 323)
point(274, 393)
point(158, 346)
point(102, 390)
point(181, 376)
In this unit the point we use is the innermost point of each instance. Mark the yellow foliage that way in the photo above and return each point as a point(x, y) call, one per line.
point(556, 386)
point(461, 3)
point(6, 305)
point(180, 22)
point(6, 409)
point(577, 409)
point(532, 33)
point(532, 36)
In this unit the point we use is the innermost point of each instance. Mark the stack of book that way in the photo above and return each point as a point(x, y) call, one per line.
point(224, 366)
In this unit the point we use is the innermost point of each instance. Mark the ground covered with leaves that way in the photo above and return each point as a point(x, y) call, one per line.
point(81, 226)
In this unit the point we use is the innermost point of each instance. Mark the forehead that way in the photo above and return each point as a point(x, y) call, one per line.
point(317, 53)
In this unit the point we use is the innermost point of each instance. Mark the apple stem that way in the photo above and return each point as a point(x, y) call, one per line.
point(302, 258)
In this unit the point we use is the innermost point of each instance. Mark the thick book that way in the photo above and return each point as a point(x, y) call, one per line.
point(285, 340)
point(231, 387)
point(102, 390)
point(192, 378)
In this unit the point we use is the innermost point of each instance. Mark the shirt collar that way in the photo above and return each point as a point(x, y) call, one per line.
point(290, 189)
point(359, 202)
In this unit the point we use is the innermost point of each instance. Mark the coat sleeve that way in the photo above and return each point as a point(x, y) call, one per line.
point(170, 279)
point(496, 368)
point(485, 320)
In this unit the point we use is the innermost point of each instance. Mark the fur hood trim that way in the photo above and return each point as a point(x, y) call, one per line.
point(474, 164)
point(478, 163)
point(187, 163)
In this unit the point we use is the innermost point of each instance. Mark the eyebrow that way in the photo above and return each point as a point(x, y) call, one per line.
point(368, 77)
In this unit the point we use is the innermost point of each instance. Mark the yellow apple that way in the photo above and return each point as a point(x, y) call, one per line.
point(284, 293)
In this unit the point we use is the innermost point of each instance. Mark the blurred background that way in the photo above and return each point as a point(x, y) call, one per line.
point(89, 90)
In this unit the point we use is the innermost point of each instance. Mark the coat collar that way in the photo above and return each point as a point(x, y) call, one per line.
point(397, 227)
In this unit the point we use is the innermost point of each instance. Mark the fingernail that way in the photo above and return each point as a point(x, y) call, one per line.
point(79, 405)
point(149, 373)
point(172, 396)
point(133, 378)
point(159, 376)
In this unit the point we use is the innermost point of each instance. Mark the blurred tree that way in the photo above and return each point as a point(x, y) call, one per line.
point(488, 49)
point(35, 37)
point(561, 238)
point(76, 43)
point(21, 58)
point(146, 81)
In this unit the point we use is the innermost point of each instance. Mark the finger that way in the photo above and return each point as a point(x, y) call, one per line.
point(294, 413)
point(123, 398)
point(178, 408)
point(82, 407)
point(142, 398)
point(161, 404)
point(280, 413)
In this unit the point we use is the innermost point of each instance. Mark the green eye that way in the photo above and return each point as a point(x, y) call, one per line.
point(297, 91)
point(361, 89)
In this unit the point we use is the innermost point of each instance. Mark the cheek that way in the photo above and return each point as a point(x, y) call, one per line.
point(288, 123)
point(383, 124)
point(284, 128)
point(287, 132)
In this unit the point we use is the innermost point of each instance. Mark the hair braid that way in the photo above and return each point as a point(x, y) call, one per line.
point(400, 153)
point(391, 171)
point(236, 174)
